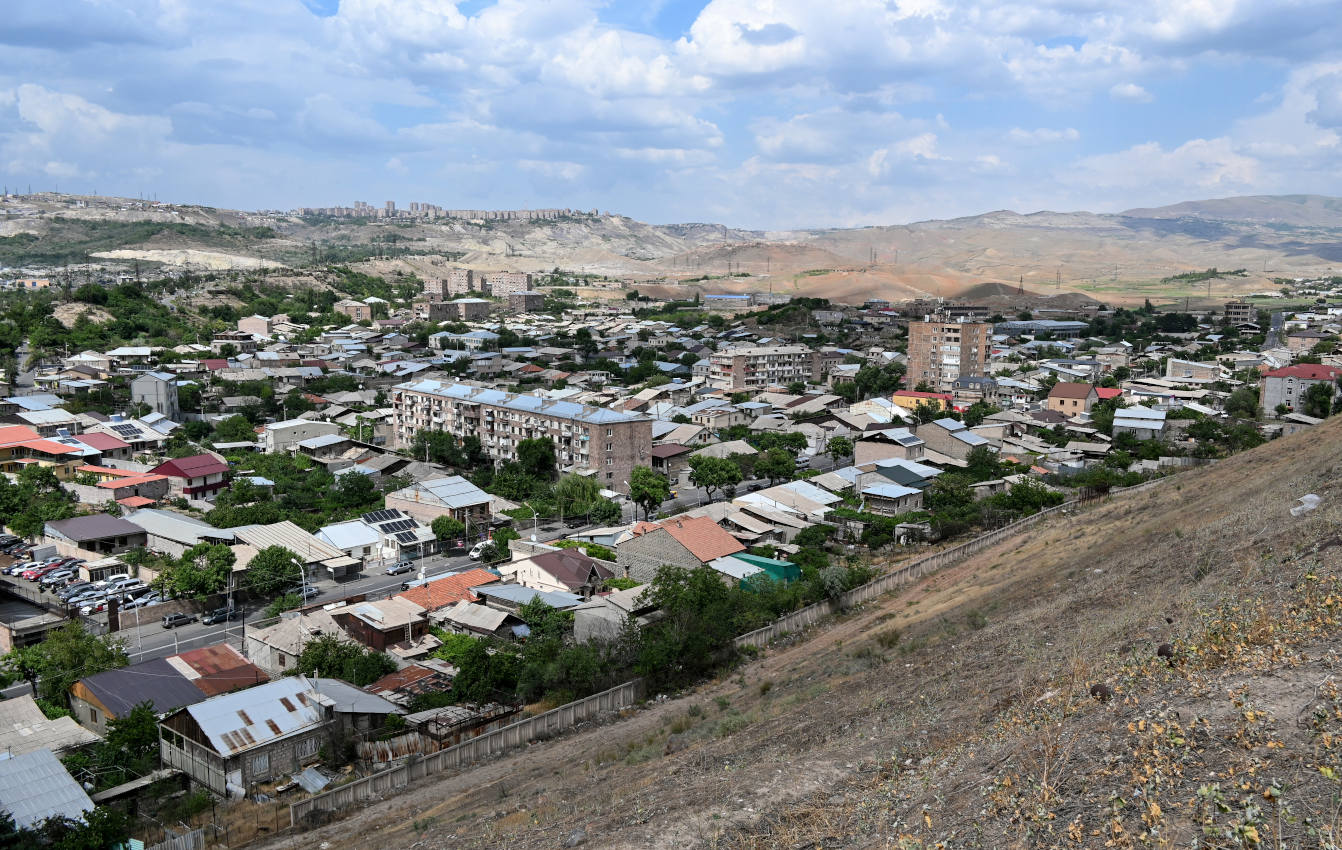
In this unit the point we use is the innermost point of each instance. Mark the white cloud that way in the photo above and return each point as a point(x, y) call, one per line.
point(1043, 135)
point(1196, 166)
point(1130, 92)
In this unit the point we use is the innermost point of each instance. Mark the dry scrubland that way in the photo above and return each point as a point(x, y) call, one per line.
point(957, 713)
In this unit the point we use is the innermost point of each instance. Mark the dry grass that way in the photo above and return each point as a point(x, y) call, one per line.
point(977, 737)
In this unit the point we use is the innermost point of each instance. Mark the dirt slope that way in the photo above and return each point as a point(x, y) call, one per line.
point(958, 711)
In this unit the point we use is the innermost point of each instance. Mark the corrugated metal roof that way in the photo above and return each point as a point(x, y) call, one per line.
point(35, 786)
point(289, 536)
point(24, 728)
point(246, 719)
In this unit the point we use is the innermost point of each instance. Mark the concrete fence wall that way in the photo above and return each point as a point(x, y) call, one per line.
point(812, 614)
point(567, 716)
point(514, 735)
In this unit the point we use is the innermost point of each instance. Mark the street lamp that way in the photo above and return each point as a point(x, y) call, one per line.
point(302, 579)
point(535, 520)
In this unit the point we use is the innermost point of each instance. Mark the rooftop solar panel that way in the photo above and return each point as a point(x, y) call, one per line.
point(406, 537)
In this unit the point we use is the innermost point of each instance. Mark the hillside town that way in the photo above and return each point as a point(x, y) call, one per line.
point(309, 535)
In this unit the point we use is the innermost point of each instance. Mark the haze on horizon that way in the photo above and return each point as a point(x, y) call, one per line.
point(753, 113)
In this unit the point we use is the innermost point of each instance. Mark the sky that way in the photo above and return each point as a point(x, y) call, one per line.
point(768, 114)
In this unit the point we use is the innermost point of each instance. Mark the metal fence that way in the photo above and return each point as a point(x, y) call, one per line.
point(514, 735)
point(193, 840)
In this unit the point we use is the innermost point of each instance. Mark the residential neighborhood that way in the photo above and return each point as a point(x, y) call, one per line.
point(305, 546)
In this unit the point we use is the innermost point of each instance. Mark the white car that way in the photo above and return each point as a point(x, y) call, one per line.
point(478, 550)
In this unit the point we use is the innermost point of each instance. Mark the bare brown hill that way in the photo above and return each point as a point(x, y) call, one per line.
point(958, 713)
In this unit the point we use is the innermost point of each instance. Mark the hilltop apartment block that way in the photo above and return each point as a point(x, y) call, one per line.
point(605, 443)
point(940, 352)
point(761, 366)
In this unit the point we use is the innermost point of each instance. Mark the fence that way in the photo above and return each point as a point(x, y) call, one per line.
point(500, 740)
point(812, 614)
point(567, 716)
point(193, 840)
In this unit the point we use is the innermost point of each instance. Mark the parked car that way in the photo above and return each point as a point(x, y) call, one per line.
point(478, 550)
point(172, 621)
point(114, 578)
point(18, 569)
point(220, 615)
point(307, 591)
point(120, 585)
point(56, 577)
point(400, 567)
point(141, 601)
point(95, 607)
point(74, 589)
point(37, 572)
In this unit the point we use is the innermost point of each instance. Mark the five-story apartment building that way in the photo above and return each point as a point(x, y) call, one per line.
point(608, 442)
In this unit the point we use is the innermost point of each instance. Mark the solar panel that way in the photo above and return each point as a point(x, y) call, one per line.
point(374, 517)
point(126, 430)
point(406, 537)
point(398, 525)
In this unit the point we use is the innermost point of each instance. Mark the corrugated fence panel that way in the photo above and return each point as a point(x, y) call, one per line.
point(508, 737)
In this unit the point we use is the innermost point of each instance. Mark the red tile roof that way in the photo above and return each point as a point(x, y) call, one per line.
point(214, 364)
point(705, 539)
point(131, 481)
point(12, 434)
point(135, 502)
point(448, 591)
point(1108, 392)
point(196, 466)
point(1305, 371)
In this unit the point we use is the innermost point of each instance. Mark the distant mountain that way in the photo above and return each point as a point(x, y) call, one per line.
point(1116, 258)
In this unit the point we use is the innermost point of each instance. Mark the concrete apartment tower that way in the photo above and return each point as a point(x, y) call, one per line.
point(941, 351)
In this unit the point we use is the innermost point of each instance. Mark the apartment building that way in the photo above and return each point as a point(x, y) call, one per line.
point(453, 282)
point(1239, 312)
point(605, 442)
point(502, 284)
point(761, 366)
point(940, 352)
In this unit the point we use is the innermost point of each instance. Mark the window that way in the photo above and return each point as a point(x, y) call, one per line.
point(260, 764)
point(610, 476)
point(283, 660)
point(93, 715)
point(307, 748)
point(610, 447)
point(610, 432)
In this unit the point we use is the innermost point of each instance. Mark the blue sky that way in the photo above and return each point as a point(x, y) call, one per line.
point(769, 114)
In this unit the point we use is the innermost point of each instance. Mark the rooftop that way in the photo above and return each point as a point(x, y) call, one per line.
point(522, 403)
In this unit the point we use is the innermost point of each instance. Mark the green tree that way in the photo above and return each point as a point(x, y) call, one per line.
point(775, 465)
point(695, 631)
point(839, 447)
point(1242, 403)
point(204, 569)
point(448, 528)
point(1318, 399)
point(330, 657)
point(271, 570)
point(66, 655)
point(648, 489)
point(982, 464)
point(234, 429)
point(796, 388)
point(713, 473)
point(537, 458)
point(355, 490)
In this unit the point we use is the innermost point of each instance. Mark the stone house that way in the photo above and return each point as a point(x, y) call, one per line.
point(681, 542)
point(1071, 398)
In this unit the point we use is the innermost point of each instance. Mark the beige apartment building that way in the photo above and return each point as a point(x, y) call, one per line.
point(503, 284)
point(1239, 312)
point(761, 366)
point(604, 442)
point(453, 282)
point(940, 352)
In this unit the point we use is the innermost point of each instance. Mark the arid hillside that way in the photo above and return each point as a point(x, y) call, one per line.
point(958, 713)
point(1119, 259)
